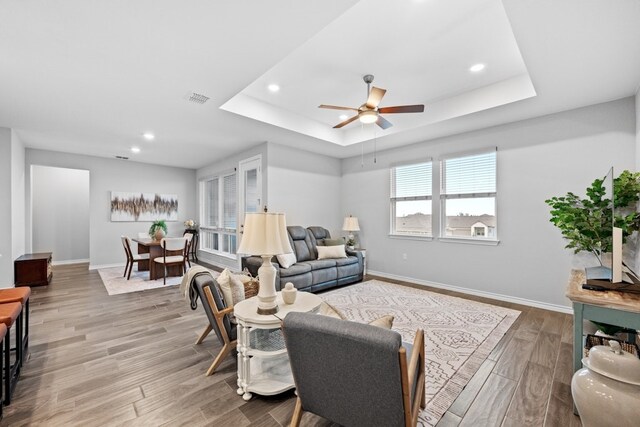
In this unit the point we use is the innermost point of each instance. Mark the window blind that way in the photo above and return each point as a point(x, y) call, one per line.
point(411, 182)
point(230, 196)
point(211, 196)
point(469, 175)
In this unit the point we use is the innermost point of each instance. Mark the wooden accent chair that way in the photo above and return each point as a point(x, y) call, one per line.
point(172, 244)
point(131, 257)
point(218, 314)
point(354, 374)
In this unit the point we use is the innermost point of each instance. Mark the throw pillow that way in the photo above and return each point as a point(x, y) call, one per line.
point(327, 309)
point(334, 242)
point(329, 252)
point(385, 322)
point(286, 260)
point(225, 281)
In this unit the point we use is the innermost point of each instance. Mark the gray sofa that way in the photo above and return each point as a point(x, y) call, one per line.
point(309, 273)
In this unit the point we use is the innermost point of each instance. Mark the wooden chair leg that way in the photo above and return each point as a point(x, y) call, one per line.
point(220, 357)
point(130, 268)
point(204, 334)
point(297, 414)
point(164, 278)
point(126, 267)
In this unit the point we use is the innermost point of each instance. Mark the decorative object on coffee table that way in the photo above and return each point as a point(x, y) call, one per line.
point(351, 224)
point(289, 293)
point(265, 234)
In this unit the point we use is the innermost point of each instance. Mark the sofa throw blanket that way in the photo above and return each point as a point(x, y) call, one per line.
point(186, 286)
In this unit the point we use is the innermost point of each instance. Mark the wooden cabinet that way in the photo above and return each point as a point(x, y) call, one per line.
point(33, 270)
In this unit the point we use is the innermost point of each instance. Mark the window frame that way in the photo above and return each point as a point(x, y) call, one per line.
point(223, 236)
point(394, 199)
point(443, 197)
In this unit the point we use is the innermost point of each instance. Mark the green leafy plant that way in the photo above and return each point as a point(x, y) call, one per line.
point(586, 223)
point(160, 223)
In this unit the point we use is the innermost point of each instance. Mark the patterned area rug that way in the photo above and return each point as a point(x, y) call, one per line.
point(139, 281)
point(459, 333)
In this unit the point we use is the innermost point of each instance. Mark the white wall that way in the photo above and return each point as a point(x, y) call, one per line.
point(6, 261)
point(537, 159)
point(18, 178)
point(306, 187)
point(108, 175)
point(637, 98)
point(60, 212)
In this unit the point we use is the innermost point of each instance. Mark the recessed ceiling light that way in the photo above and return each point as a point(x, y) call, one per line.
point(476, 68)
point(273, 87)
point(148, 136)
point(343, 117)
point(135, 149)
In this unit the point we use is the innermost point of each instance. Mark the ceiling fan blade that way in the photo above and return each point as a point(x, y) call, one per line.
point(383, 123)
point(402, 109)
point(346, 122)
point(336, 107)
point(375, 96)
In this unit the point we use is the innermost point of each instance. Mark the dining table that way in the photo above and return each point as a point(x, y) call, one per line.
point(147, 245)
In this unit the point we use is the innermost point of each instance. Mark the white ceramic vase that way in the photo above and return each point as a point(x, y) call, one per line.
point(607, 390)
point(289, 293)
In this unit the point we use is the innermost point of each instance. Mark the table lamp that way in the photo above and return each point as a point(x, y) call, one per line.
point(265, 234)
point(351, 224)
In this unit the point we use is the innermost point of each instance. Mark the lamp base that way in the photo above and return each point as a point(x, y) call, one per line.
point(267, 292)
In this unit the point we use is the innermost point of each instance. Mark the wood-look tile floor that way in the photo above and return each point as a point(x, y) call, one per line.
point(131, 360)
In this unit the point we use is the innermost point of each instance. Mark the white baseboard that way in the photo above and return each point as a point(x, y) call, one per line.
point(500, 297)
point(98, 267)
point(70, 261)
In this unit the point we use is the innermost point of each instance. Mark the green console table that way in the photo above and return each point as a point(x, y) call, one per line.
point(615, 308)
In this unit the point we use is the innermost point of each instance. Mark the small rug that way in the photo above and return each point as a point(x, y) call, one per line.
point(139, 281)
point(459, 333)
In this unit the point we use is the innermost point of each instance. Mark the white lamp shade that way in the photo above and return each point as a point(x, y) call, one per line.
point(265, 233)
point(351, 224)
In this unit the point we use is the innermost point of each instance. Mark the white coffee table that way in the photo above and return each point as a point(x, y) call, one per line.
point(263, 363)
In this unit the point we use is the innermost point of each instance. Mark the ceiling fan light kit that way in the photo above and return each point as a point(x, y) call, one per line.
point(369, 112)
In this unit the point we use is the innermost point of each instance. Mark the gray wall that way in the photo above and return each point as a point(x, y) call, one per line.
point(108, 175)
point(6, 262)
point(18, 179)
point(306, 186)
point(537, 159)
point(60, 212)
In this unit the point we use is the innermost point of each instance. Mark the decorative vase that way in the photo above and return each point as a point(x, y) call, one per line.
point(607, 390)
point(289, 293)
point(159, 234)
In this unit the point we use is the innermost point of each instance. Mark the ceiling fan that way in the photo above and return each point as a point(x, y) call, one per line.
point(369, 112)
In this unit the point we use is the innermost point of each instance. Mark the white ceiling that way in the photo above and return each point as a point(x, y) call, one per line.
point(90, 76)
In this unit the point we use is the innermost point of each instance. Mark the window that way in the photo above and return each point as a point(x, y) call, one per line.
point(219, 212)
point(468, 196)
point(411, 199)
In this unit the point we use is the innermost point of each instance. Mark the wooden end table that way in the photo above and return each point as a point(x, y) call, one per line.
point(263, 363)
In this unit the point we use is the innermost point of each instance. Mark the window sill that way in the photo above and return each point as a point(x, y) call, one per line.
point(220, 254)
point(410, 237)
point(469, 241)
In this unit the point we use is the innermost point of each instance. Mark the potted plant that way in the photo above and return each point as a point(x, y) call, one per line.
point(586, 223)
point(158, 229)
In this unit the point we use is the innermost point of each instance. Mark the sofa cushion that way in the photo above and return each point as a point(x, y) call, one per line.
point(286, 260)
point(346, 261)
point(318, 264)
point(301, 281)
point(301, 243)
point(332, 242)
point(331, 252)
point(348, 270)
point(295, 269)
point(324, 275)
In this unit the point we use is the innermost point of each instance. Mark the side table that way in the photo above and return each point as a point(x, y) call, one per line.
point(263, 363)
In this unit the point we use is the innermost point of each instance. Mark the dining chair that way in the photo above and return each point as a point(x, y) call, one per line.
point(131, 257)
point(172, 244)
point(380, 381)
point(187, 248)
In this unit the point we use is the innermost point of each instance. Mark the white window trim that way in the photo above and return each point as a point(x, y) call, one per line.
point(216, 229)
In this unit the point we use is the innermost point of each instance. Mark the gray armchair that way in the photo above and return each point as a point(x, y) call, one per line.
point(354, 374)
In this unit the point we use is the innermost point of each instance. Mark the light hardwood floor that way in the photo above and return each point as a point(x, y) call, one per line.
point(131, 360)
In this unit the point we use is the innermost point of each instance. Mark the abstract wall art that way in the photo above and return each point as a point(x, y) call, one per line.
point(126, 206)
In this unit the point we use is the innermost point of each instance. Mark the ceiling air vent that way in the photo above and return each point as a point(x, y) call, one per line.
point(122, 157)
point(196, 98)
